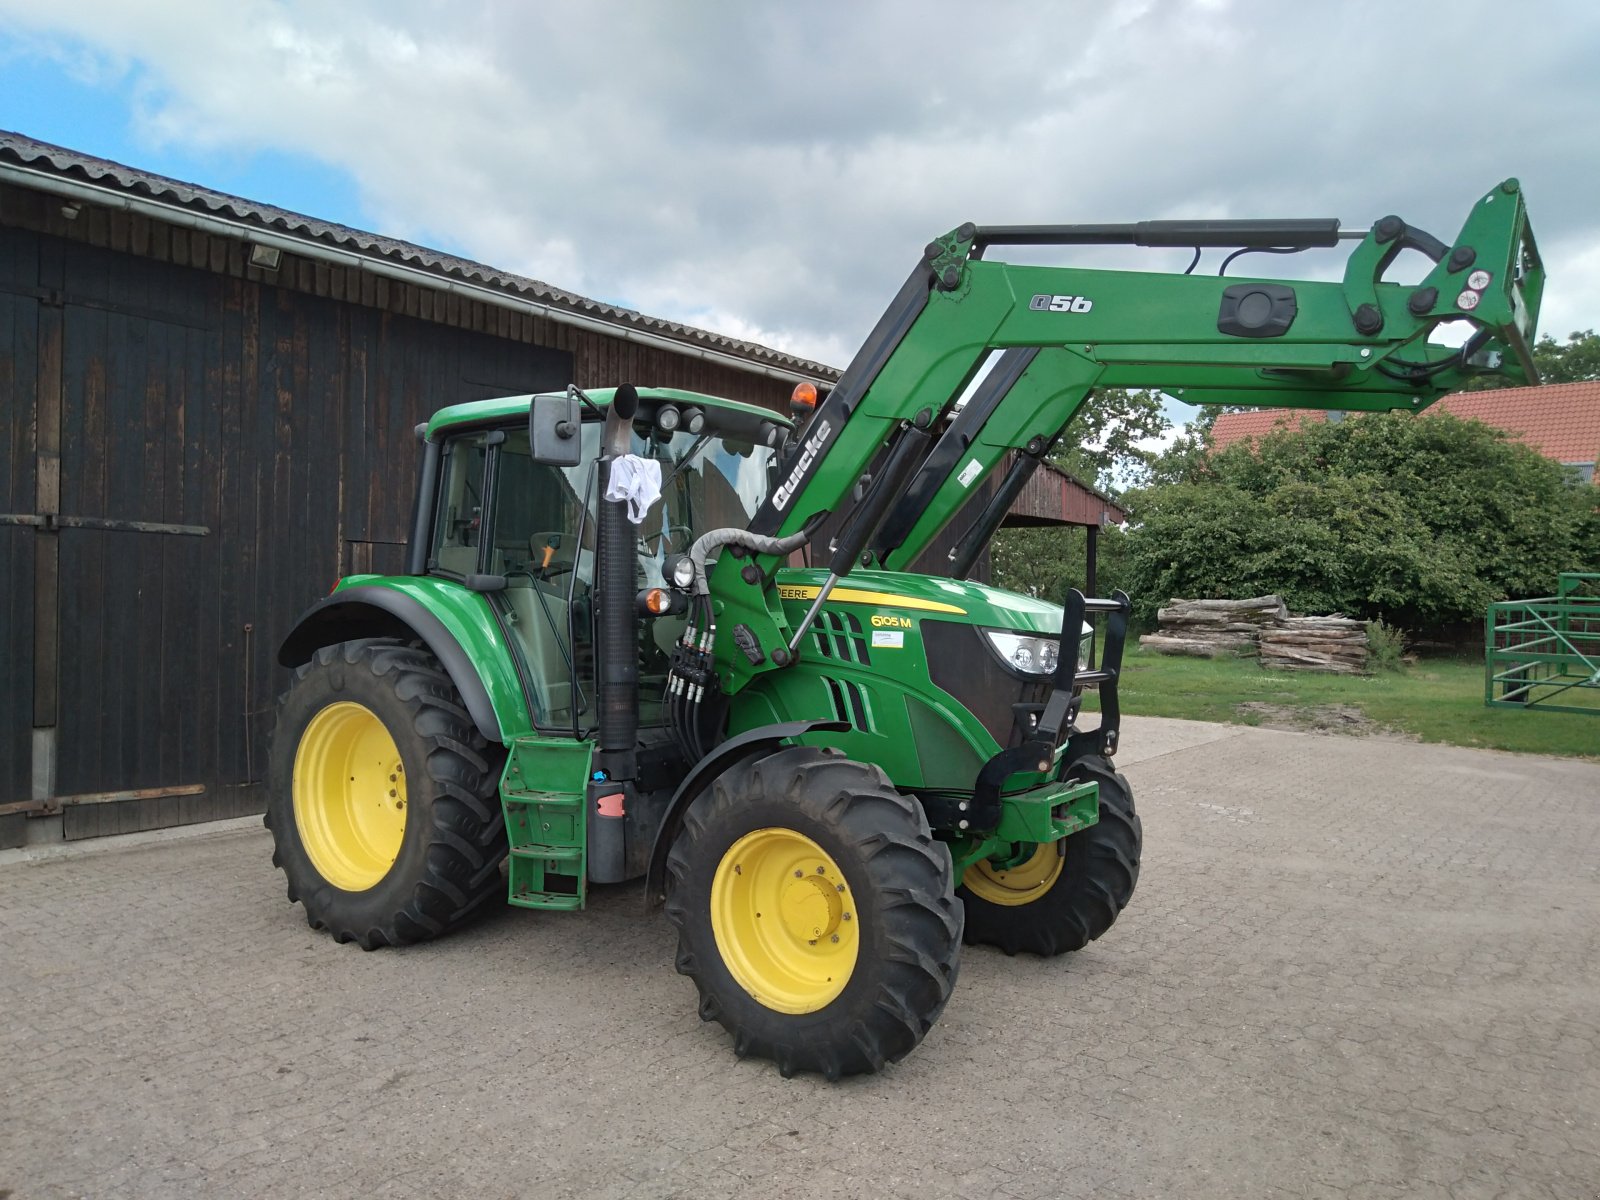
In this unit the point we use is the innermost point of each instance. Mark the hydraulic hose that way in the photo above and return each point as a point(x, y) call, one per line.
point(754, 542)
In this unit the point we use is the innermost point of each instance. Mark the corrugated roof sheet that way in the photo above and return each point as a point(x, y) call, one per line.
point(1559, 420)
point(70, 164)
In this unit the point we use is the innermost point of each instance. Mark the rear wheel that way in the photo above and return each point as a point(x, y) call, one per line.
point(815, 912)
point(1054, 897)
point(383, 801)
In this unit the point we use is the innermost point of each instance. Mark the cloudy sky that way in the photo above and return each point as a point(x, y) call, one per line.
point(772, 170)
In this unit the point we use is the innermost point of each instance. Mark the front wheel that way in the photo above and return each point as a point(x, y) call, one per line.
point(1059, 896)
point(383, 796)
point(816, 913)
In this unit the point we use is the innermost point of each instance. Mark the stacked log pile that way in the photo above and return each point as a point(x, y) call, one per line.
point(1218, 628)
point(1336, 644)
point(1214, 628)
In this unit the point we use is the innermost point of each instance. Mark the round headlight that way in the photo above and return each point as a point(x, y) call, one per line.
point(668, 418)
point(679, 571)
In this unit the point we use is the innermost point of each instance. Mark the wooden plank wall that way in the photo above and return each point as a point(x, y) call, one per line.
point(19, 364)
point(275, 412)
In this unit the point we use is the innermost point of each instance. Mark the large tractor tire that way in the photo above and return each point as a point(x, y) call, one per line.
point(816, 913)
point(1051, 898)
point(383, 802)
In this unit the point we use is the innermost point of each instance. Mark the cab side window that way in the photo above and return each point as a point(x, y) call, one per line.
point(459, 515)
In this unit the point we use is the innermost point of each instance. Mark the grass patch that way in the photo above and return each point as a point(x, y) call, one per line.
point(1438, 700)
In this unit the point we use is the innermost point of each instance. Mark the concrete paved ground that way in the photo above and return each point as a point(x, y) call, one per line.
point(1352, 969)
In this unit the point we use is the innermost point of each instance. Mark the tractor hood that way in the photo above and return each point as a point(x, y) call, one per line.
point(902, 594)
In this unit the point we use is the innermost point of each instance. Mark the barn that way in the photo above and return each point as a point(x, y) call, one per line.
point(208, 417)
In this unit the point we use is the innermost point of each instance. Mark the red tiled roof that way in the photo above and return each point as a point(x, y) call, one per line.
point(1559, 420)
point(1236, 426)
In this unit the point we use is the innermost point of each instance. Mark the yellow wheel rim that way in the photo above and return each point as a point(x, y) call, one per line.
point(785, 921)
point(349, 796)
point(1020, 883)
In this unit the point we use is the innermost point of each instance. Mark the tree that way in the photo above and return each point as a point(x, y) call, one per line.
point(1571, 362)
point(1046, 561)
point(1101, 446)
point(1419, 521)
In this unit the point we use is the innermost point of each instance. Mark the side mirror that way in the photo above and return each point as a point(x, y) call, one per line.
point(553, 430)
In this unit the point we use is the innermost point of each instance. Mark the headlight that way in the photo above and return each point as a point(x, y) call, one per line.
point(678, 571)
point(1085, 647)
point(1028, 653)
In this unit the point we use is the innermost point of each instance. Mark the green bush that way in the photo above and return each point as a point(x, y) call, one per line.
point(1386, 647)
point(1418, 522)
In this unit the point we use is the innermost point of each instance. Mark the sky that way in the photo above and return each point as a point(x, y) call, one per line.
point(772, 170)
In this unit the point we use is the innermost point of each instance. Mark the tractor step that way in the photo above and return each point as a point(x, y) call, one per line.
point(542, 793)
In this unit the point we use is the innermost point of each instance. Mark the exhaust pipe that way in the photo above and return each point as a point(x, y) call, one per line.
point(617, 651)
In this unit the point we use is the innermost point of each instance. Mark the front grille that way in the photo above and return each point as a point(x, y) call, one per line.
point(960, 663)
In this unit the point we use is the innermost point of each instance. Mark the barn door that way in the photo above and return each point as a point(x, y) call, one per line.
point(132, 598)
point(19, 541)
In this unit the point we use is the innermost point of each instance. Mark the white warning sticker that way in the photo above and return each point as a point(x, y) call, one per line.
point(892, 639)
point(969, 472)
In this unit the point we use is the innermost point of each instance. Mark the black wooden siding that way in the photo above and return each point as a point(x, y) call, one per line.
point(277, 420)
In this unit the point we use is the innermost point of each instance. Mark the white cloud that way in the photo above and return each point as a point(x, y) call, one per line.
point(774, 169)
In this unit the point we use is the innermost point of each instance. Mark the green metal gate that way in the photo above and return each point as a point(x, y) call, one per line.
point(1546, 649)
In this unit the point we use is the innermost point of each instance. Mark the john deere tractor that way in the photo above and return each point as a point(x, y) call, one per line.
point(602, 662)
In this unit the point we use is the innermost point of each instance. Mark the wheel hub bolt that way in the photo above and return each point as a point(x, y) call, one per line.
point(798, 872)
point(836, 937)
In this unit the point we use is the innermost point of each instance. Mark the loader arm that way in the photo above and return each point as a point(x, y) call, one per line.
point(1360, 344)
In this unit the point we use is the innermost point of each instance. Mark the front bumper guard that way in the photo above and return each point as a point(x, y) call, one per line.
point(1037, 753)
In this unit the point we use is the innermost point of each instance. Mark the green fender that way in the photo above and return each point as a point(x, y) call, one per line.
point(456, 625)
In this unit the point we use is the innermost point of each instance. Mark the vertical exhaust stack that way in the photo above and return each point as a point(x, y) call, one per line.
point(615, 760)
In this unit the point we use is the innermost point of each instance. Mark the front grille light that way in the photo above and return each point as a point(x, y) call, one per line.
point(1028, 654)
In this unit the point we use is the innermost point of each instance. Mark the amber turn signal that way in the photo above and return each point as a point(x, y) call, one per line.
point(658, 602)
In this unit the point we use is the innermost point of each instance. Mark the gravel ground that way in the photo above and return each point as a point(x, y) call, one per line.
point(1353, 968)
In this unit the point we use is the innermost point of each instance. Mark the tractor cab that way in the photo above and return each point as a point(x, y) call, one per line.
point(523, 530)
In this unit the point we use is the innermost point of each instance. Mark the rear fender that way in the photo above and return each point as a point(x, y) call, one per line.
point(752, 744)
point(368, 611)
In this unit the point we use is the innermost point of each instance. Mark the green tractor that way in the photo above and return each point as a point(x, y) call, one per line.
point(601, 663)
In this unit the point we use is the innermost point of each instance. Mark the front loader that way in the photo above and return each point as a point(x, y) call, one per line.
point(830, 775)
